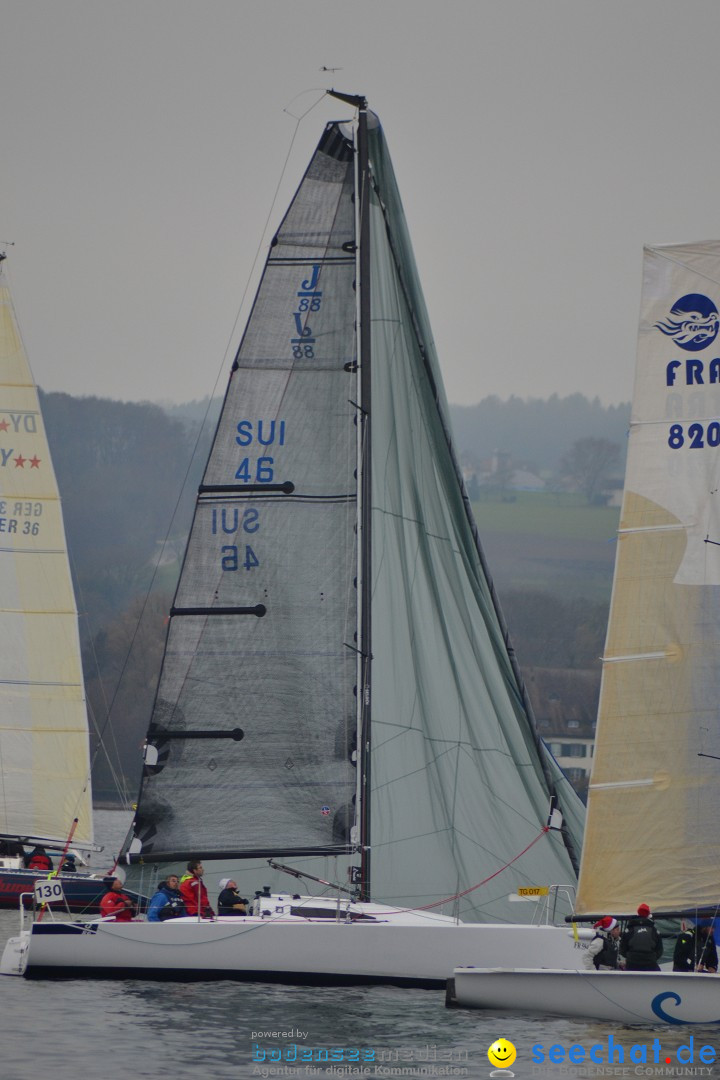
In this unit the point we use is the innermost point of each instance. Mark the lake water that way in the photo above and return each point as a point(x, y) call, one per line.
point(223, 1030)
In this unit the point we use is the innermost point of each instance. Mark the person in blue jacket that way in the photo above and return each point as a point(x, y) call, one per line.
point(167, 903)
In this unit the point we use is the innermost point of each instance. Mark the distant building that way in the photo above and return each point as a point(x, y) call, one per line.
point(499, 472)
point(524, 480)
point(565, 705)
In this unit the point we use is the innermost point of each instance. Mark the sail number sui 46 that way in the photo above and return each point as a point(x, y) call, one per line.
point(230, 520)
point(265, 433)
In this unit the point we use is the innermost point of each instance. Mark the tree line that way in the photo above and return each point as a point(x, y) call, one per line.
point(536, 432)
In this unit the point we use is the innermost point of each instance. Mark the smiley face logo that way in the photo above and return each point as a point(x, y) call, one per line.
point(502, 1054)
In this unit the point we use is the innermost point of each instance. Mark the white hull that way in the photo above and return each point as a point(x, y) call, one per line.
point(407, 951)
point(626, 997)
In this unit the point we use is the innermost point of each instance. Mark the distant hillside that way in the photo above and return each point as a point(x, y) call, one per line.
point(203, 411)
point(535, 431)
point(128, 474)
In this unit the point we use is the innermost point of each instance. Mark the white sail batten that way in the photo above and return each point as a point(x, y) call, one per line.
point(44, 753)
point(651, 832)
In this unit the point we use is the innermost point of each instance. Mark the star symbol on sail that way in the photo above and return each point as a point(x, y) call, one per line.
point(19, 461)
point(4, 425)
point(35, 462)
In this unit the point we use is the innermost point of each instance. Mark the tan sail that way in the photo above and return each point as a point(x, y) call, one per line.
point(44, 754)
point(652, 831)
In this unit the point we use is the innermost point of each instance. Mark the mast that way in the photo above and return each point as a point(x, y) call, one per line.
point(362, 194)
point(363, 191)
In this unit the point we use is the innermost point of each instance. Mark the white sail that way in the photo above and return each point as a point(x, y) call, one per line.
point(460, 781)
point(651, 832)
point(44, 754)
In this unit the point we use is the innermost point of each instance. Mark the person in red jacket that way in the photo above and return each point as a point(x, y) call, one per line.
point(116, 902)
point(38, 859)
point(193, 891)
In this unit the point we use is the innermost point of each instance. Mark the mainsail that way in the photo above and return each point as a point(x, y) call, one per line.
point(337, 678)
point(654, 795)
point(44, 755)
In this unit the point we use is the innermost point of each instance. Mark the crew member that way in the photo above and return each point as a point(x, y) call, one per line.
point(115, 903)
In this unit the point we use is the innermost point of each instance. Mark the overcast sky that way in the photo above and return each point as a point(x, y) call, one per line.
point(538, 145)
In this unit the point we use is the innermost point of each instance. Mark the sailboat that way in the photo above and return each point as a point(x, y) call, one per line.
point(651, 834)
point(338, 688)
point(45, 792)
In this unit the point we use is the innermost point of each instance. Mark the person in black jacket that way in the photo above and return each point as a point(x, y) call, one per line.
point(640, 943)
point(695, 950)
point(230, 902)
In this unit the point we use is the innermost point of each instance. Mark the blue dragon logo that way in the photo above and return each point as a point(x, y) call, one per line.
point(693, 322)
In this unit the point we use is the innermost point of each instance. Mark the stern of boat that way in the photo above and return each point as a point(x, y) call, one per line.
point(15, 955)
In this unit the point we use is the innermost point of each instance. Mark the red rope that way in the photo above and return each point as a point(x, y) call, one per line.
point(54, 873)
point(438, 903)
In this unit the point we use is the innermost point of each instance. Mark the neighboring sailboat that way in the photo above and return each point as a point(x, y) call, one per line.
point(45, 795)
point(654, 796)
point(623, 997)
point(333, 569)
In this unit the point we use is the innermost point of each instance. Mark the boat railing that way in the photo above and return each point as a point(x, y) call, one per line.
point(557, 894)
point(44, 895)
point(552, 902)
point(23, 911)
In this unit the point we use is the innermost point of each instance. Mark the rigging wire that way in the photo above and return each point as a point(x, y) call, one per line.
point(101, 729)
point(457, 896)
point(479, 884)
point(202, 427)
point(117, 776)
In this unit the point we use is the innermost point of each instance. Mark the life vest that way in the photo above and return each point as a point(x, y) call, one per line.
point(194, 895)
point(608, 955)
point(40, 862)
point(174, 907)
point(113, 903)
point(642, 940)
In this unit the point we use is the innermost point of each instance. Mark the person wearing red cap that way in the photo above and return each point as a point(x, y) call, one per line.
point(602, 952)
point(641, 945)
